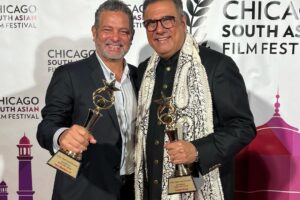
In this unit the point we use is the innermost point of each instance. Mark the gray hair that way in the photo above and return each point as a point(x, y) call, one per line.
point(178, 5)
point(114, 5)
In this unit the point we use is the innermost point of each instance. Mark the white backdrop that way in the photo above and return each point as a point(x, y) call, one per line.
point(37, 36)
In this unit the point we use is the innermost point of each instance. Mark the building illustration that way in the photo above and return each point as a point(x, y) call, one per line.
point(25, 191)
point(268, 168)
point(3, 191)
point(25, 176)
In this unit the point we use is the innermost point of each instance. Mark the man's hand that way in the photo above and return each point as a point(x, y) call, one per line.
point(76, 139)
point(181, 152)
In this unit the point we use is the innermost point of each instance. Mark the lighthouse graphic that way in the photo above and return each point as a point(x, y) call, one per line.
point(25, 191)
point(3, 191)
point(25, 177)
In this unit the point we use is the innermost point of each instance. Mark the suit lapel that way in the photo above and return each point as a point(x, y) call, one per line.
point(98, 77)
point(133, 78)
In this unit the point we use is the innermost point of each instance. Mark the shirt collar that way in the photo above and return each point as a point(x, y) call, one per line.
point(172, 60)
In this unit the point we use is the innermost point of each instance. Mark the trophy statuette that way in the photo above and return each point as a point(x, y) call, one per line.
point(69, 162)
point(181, 181)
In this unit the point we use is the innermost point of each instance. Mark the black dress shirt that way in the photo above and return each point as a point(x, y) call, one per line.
point(165, 74)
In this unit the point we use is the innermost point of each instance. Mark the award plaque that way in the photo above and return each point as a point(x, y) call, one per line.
point(181, 181)
point(69, 162)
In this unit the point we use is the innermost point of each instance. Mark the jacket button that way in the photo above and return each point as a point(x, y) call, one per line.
point(155, 182)
point(156, 142)
point(156, 162)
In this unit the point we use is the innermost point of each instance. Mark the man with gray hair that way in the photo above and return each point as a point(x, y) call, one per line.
point(107, 166)
point(205, 95)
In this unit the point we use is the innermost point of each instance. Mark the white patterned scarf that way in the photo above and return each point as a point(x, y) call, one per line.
point(192, 98)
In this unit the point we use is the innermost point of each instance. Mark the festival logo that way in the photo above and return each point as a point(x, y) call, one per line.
point(196, 16)
point(261, 27)
point(137, 10)
point(58, 57)
point(19, 108)
point(21, 16)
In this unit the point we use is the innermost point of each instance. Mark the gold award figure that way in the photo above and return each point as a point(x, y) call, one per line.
point(69, 162)
point(181, 181)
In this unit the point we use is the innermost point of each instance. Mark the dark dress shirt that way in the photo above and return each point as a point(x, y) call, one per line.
point(165, 73)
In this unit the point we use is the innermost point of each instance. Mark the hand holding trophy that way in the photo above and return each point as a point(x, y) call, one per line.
point(69, 162)
point(181, 181)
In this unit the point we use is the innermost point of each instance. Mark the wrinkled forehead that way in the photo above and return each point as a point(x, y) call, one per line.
point(114, 18)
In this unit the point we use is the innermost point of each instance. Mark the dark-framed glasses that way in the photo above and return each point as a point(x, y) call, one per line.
point(166, 22)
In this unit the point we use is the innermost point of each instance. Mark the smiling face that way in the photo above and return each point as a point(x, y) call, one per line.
point(112, 36)
point(166, 42)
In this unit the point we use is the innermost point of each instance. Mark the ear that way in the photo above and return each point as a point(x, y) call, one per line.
point(94, 32)
point(183, 20)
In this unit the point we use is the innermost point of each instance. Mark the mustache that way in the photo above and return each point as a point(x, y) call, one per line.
point(109, 42)
point(162, 36)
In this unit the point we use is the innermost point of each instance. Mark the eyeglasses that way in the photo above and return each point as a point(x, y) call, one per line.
point(166, 22)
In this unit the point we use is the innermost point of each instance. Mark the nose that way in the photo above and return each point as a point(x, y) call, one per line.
point(159, 27)
point(115, 36)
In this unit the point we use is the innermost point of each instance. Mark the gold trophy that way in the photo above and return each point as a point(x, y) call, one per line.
point(181, 181)
point(69, 162)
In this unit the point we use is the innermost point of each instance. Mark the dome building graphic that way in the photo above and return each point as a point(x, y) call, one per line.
point(268, 168)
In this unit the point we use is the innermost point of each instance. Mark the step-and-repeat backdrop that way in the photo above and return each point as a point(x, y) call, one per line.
point(262, 36)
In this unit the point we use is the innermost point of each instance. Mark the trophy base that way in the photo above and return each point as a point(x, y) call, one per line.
point(65, 163)
point(181, 184)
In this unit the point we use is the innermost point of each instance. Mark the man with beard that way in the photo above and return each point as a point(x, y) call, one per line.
point(107, 151)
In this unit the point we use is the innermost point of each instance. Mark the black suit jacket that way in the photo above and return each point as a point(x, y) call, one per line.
point(233, 121)
point(68, 99)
